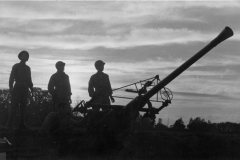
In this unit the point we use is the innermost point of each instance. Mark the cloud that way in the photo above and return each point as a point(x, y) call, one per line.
point(193, 96)
point(111, 13)
point(207, 85)
point(212, 4)
point(87, 10)
point(34, 26)
point(81, 25)
point(137, 37)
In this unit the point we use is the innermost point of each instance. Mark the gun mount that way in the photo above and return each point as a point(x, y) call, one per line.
point(125, 114)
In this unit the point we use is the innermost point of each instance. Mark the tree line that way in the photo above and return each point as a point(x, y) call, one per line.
point(200, 125)
point(195, 125)
point(41, 104)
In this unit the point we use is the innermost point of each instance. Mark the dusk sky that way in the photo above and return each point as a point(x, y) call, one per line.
point(137, 40)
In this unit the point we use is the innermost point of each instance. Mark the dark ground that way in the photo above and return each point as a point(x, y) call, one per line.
point(138, 145)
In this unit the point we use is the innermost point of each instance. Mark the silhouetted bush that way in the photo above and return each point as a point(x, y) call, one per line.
point(39, 108)
point(160, 126)
point(36, 110)
point(198, 125)
point(178, 125)
point(144, 124)
point(228, 127)
point(5, 100)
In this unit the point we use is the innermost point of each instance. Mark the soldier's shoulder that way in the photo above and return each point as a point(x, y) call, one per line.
point(94, 75)
point(54, 75)
point(66, 75)
point(28, 67)
point(105, 74)
point(16, 65)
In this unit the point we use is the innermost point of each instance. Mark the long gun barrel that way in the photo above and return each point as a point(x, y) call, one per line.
point(225, 34)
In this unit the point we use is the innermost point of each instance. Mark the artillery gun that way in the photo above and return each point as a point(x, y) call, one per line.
point(118, 118)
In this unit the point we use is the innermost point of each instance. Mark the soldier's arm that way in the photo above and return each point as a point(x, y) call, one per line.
point(110, 89)
point(12, 77)
point(69, 90)
point(30, 81)
point(51, 85)
point(90, 88)
point(69, 87)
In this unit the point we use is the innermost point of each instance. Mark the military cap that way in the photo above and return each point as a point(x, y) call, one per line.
point(23, 52)
point(59, 63)
point(99, 63)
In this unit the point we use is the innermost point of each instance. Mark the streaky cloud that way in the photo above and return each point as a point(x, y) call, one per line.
point(137, 37)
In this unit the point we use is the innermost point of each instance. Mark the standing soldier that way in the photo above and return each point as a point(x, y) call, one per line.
point(99, 86)
point(59, 86)
point(21, 74)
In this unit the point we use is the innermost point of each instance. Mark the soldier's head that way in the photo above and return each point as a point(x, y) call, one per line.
point(60, 66)
point(23, 56)
point(64, 108)
point(99, 65)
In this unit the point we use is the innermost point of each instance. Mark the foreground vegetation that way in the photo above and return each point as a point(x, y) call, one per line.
point(199, 139)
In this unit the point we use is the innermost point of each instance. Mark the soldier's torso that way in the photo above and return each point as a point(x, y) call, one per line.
point(101, 84)
point(22, 73)
point(61, 83)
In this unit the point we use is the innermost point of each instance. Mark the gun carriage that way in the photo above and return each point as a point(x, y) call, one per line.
point(123, 115)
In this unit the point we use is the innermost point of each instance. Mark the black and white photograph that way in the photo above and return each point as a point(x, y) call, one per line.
point(120, 80)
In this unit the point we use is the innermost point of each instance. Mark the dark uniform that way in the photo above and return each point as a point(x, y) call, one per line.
point(99, 86)
point(21, 74)
point(59, 87)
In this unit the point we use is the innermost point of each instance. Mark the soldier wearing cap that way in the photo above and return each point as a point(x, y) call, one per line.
point(21, 75)
point(59, 86)
point(99, 86)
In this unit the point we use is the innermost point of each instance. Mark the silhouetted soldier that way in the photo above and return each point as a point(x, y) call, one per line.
point(59, 127)
point(59, 123)
point(59, 86)
point(21, 75)
point(99, 86)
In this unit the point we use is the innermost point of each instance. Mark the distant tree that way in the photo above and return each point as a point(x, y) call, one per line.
point(228, 127)
point(5, 100)
point(159, 121)
point(38, 107)
point(178, 125)
point(160, 126)
point(198, 125)
point(143, 124)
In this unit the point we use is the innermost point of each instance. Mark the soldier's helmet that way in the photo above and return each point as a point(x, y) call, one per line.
point(59, 64)
point(99, 63)
point(23, 52)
